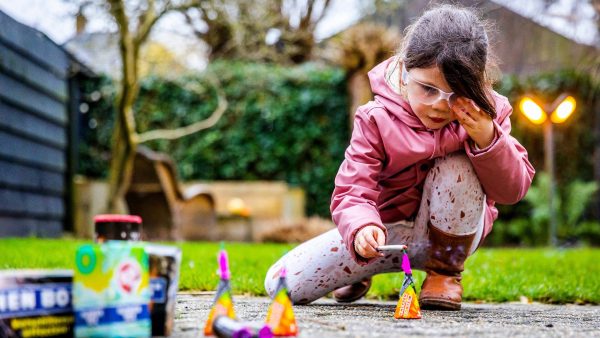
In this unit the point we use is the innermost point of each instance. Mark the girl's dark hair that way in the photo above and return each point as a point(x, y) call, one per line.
point(455, 40)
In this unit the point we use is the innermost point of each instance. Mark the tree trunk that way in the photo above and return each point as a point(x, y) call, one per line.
point(125, 137)
point(121, 165)
point(596, 157)
point(359, 89)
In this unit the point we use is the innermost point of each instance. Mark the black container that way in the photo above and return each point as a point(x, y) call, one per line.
point(117, 227)
point(164, 267)
point(165, 263)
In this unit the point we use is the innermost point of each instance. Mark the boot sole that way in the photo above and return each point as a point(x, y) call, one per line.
point(348, 300)
point(439, 304)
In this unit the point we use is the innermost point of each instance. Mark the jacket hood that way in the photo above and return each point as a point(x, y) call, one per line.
point(384, 80)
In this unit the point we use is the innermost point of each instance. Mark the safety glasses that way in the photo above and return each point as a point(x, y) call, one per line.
point(425, 93)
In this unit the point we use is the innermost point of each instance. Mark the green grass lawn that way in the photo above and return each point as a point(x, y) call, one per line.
point(493, 275)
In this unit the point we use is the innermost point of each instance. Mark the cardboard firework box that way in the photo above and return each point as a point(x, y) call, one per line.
point(36, 303)
point(164, 280)
point(111, 292)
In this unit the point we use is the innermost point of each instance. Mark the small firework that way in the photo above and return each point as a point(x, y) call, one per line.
point(408, 303)
point(280, 317)
point(223, 303)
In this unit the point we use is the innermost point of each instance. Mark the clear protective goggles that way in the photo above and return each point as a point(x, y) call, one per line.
point(425, 93)
point(422, 92)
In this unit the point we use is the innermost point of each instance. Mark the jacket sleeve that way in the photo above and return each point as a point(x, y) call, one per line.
point(503, 168)
point(353, 203)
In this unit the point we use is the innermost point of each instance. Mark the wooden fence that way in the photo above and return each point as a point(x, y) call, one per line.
point(35, 129)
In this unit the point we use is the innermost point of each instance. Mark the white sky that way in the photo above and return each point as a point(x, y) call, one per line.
point(52, 17)
point(56, 18)
point(570, 18)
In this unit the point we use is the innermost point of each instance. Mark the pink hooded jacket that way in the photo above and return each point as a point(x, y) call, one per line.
point(390, 154)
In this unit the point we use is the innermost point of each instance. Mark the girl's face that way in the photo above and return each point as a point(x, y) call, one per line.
point(423, 85)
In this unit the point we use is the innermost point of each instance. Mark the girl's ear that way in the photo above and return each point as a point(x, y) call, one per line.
point(403, 82)
point(403, 92)
point(404, 75)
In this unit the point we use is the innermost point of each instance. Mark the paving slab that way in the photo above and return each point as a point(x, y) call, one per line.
point(372, 318)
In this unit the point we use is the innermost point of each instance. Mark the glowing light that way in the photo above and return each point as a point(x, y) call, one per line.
point(532, 111)
point(564, 110)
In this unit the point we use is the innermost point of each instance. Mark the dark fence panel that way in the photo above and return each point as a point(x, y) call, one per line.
point(34, 122)
point(34, 44)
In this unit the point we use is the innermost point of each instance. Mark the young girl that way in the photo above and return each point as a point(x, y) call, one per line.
point(428, 159)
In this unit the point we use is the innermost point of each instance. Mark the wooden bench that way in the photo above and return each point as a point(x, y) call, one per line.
point(168, 211)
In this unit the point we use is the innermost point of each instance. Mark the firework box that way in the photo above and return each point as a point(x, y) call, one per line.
point(111, 291)
point(164, 280)
point(36, 303)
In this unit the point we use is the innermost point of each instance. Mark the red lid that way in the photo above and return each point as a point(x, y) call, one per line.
point(117, 219)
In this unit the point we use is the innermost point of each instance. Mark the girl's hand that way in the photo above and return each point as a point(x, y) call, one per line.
point(476, 122)
point(367, 240)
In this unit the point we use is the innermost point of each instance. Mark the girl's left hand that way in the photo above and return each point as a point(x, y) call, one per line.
point(476, 122)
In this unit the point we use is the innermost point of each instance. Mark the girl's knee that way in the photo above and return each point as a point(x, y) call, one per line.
point(455, 169)
point(307, 263)
point(455, 197)
point(299, 298)
point(453, 177)
point(271, 279)
point(298, 295)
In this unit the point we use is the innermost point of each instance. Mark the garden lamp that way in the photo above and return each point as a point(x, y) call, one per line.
point(560, 110)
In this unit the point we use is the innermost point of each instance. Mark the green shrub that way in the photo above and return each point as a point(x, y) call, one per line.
point(570, 203)
point(588, 232)
point(95, 127)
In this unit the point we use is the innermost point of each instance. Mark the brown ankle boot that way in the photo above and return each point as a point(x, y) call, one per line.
point(442, 289)
point(352, 292)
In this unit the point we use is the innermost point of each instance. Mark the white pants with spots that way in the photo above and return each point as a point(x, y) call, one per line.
point(453, 201)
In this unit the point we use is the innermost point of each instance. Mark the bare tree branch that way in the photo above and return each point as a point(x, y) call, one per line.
point(147, 21)
point(239, 29)
point(305, 19)
point(129, 64)
point(323, 12)
point(172, 134)
point(117, 9)
point(151, 17)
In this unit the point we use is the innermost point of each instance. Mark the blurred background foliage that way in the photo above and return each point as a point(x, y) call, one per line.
point(291, 124)
point(282, 123)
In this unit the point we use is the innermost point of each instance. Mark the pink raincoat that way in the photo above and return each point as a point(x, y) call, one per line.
point(391, 151)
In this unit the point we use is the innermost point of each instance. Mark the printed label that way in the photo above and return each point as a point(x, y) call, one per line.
point(158, 285)
point(35, 299)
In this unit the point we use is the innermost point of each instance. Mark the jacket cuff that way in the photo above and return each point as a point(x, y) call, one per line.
point(476, 150)
point(490, 151)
